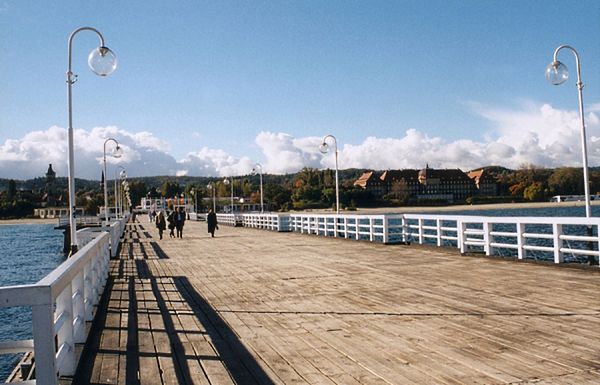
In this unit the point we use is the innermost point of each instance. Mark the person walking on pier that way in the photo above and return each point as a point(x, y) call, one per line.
point(171, 220)
point(180, 221)
point(161, 224)
point(211, 221)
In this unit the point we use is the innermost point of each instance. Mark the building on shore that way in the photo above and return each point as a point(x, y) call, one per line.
point(484, 181)
point(427, 184)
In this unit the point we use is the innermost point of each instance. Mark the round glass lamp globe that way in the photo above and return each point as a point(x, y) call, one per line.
point(225, 181)
point(123, 174)
point(324, 148)
point(102, 61)
point(209, 186)
point(117, 152)
point(557, 73)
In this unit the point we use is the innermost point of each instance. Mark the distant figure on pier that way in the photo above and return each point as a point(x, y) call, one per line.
point(161, 224)
point(211, 221)
point(180, 221)
point(171, 220)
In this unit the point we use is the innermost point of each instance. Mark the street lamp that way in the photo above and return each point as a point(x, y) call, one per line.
point(557, 73)
point(125, 195)
point(226, 182)
point(211, 187)
point(122, 174)
point(116, 153)
point(193, 193)
point(254, 171)
point(102, 61)
point(324, 148)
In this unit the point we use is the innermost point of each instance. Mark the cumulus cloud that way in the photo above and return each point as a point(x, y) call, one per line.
point(537, 134)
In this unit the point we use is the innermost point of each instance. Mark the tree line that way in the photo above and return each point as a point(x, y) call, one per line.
point(307, 189)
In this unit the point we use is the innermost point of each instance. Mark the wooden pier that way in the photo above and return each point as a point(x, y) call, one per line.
point(260, 307)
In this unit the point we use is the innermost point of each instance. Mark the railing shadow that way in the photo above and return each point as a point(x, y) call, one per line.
point(240, 364)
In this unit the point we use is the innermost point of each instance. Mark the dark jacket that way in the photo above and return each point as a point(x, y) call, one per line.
point(211, 221)
point(160, 222)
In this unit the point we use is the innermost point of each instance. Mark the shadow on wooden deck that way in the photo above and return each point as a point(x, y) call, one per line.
point(239, 363)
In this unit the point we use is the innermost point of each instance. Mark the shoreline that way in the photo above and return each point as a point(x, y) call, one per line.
point(29, 221)
point(374, 210)
point(480, 207)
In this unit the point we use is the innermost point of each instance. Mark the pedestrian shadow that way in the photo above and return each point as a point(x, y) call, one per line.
point(175, 298)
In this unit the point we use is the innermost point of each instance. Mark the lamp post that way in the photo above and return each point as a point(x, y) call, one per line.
point(122, 174)
point(211, 187)
point(226, 182)
point(324, 148)
point(193, 193)
point(259, 167)
point(116, 154)
point(102, 61)
point(557, 73)
point(125, 195)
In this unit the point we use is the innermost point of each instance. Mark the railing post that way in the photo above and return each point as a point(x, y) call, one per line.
point(556, 233)
point(65, 335)
point(88, 290)
point(335, 224)
point(385, 229)
point(521, 252)
point(420, 231)
point(461, 227)
point(438, 229)
point(43, 344)
point(486, 238)
point(78, 308)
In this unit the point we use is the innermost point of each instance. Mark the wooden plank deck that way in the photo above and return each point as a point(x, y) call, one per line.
point(258, 307)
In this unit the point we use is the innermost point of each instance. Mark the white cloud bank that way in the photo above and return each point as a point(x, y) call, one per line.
point(541, 135)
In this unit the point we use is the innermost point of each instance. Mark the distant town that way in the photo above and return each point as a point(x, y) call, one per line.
point(307, 189)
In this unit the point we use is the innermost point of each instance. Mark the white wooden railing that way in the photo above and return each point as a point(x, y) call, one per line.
point(81, 221)
point(115, 229)
point(267, 221)
point(555, 238)
point(61, 304)
point(374, 228)
point(230, 219)
point(560, 239)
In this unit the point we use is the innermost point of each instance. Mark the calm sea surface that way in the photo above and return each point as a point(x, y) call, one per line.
point(27, 254)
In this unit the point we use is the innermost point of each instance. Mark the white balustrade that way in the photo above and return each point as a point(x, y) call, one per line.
point(527, 237)
point(61, 303)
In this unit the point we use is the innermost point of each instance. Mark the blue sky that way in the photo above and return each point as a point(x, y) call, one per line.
point(210, 88)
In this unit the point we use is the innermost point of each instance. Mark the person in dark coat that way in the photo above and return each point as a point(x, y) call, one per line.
point(211, 221)
point(180, 221)
point(161, 224)
point(171, 220)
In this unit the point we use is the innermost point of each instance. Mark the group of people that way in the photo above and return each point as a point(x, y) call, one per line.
point(176, 220)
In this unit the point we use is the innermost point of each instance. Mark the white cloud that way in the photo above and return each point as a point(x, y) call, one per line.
point(541, 135)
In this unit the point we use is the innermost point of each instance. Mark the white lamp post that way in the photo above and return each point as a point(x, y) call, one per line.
point(102, 61)
point(557, 73)
point(324, 148)
point(226, 182)
point(259, 167)
point(193, 193)
point(122, 174)
point(117, 154)
point(211, 187)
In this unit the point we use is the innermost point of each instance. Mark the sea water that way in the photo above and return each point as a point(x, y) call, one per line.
point(27, 254)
